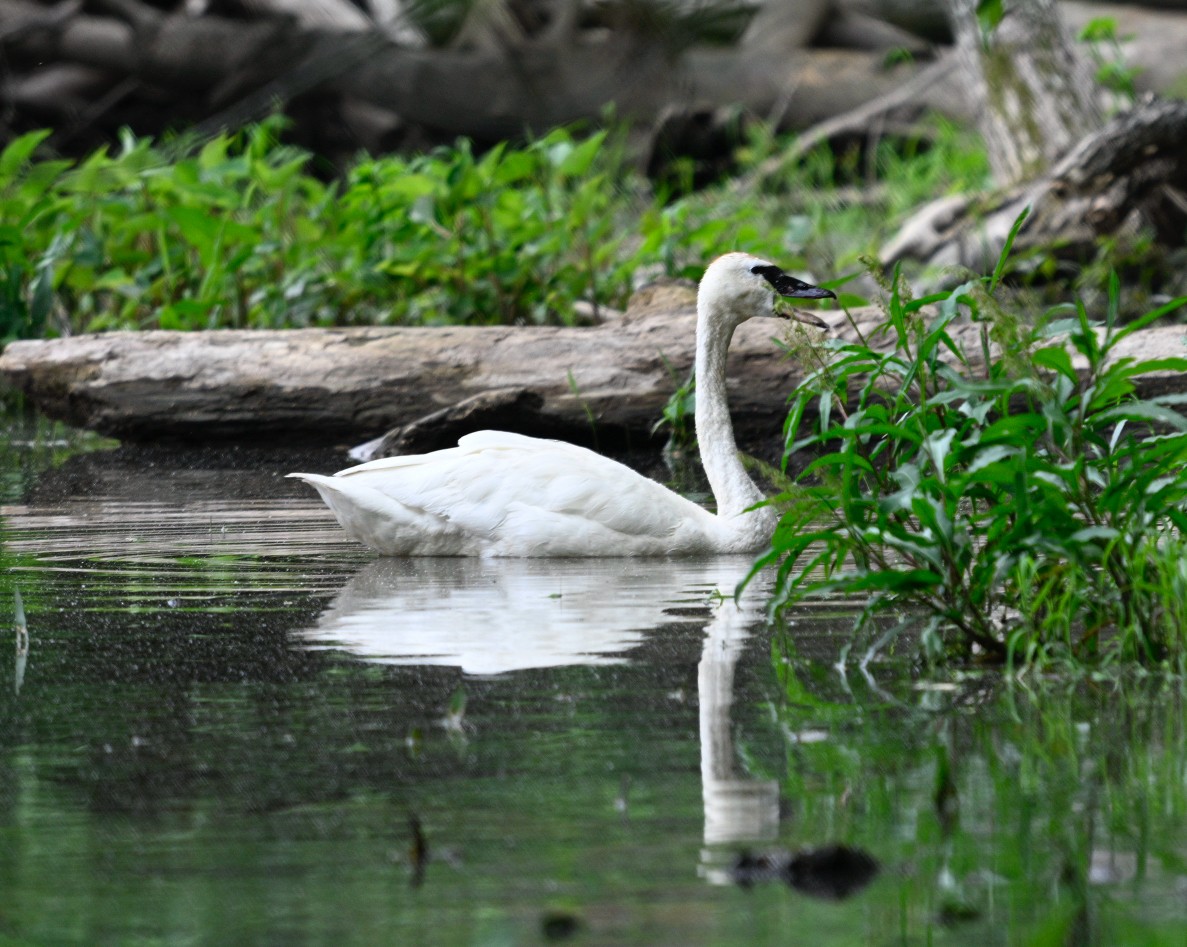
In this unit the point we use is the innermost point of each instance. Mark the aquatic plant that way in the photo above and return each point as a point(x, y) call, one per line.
point(1011, 489)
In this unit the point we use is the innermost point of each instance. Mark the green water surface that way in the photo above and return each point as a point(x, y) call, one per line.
point(226, 721)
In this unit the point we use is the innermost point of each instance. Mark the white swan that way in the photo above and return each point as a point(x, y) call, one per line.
point(501, 494)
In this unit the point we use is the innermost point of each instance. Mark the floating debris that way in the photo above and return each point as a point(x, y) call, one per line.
point(559, 925)
point(833, 872)
point(418, 851)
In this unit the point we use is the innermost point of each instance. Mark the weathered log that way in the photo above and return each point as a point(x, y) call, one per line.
point(604, 385)
point(608, 382)
point(1131, 172)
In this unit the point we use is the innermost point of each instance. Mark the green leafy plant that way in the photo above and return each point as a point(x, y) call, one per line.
point(1002, 486)
point(679, 413)
point(241, 233)
point(1112, 71)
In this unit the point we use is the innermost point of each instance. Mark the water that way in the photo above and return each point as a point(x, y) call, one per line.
point(228, 725)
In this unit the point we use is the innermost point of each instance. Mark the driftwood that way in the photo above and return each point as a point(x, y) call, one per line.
point(603, 385)
point(1130, 175)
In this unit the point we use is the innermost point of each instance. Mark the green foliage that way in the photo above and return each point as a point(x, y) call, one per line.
point(241, 234)
point(679, 414)
point(989, 15)
point(1025, 504)
point(515, 236)
point(1112, 71)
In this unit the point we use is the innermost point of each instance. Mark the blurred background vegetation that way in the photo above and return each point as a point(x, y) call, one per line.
point(329, 162)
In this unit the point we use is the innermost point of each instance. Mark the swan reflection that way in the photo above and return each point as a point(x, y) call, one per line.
point(739, 810)
point(492, 616)
point(736, 809)
point(22, 642)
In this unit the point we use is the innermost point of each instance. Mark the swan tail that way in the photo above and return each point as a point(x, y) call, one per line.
point(384, 524)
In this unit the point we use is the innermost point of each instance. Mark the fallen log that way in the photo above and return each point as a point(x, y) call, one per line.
point(604, 385)
point(229, 72)
point(1129, 175)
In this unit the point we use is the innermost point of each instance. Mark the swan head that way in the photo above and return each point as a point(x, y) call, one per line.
point(738, 286)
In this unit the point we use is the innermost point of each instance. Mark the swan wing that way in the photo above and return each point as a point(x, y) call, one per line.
point(498, 493)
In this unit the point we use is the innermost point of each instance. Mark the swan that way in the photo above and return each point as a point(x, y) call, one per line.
point(503, 494)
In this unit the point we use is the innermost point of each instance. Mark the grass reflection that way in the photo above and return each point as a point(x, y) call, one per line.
point(1030, 810)
point(30, 444)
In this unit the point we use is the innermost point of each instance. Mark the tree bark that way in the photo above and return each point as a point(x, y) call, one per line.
point(1033, 94)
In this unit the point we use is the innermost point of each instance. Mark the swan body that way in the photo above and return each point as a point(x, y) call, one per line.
point(502, 494)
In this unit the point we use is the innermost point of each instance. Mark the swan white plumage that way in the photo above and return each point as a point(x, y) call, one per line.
point(502, 494)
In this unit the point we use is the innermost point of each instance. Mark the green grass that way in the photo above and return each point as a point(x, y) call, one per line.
point(1024, 509)
point(242, 234)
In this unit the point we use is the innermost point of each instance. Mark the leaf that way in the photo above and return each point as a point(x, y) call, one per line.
point(916, 304)
point(1142, 411)
point(885, 581)
point(1014, 428)
point(1090, 533)
point(936, 446)
point(516, 167)
point(1155, 365)
point(1144, 320)
point(840, 459)
point(18, 151)
point(991, 455)
point(989, 15)
point(408, 187)
point(214, 153)
point(1098, 29)
point(578, 160)
point(196, 226)
point(1056, 358)
point(994, 9)
point(41, 298)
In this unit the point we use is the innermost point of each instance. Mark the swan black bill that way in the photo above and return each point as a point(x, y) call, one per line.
point(789, 286)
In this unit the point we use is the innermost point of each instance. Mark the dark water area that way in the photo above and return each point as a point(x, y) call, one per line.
point(222, 723)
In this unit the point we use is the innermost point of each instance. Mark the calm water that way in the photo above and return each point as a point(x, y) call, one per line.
point(227, 725)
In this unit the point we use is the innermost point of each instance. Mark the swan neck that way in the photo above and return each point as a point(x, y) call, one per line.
point(732, 487)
